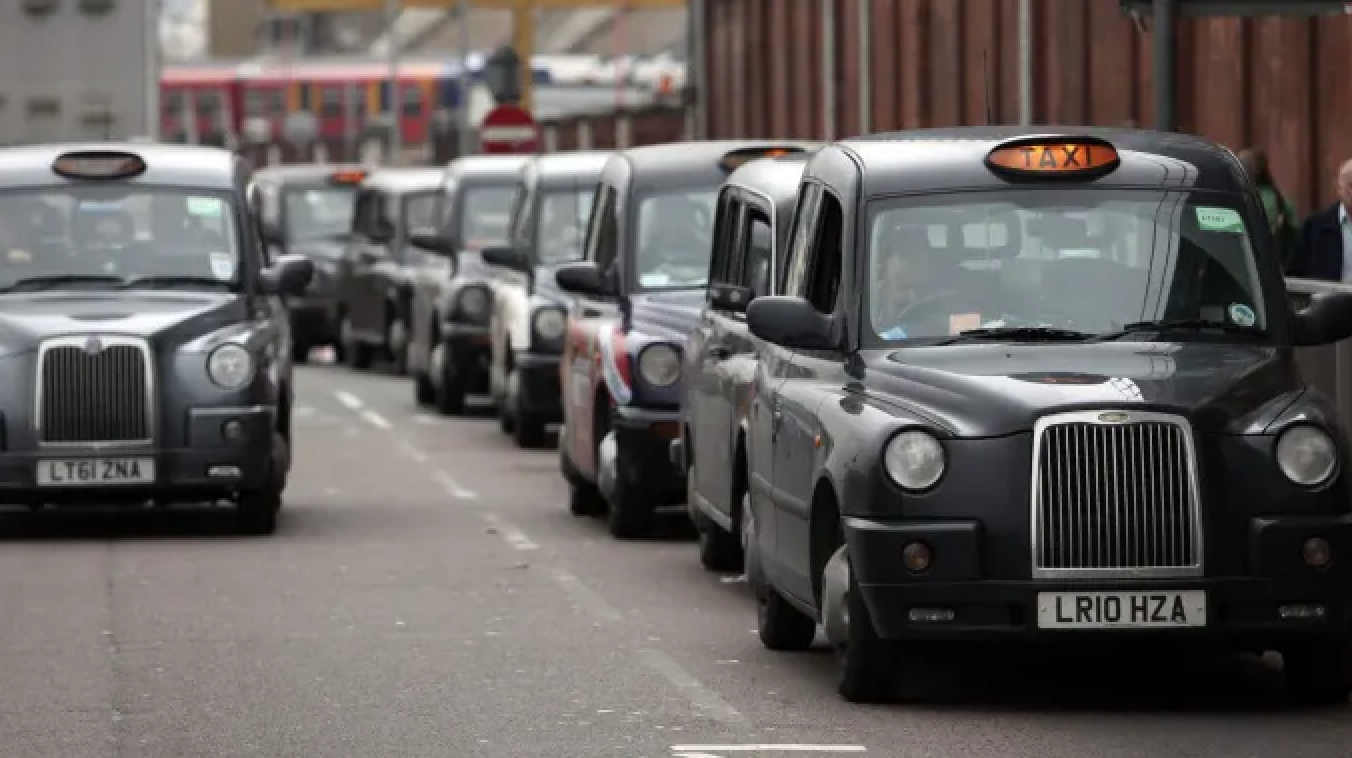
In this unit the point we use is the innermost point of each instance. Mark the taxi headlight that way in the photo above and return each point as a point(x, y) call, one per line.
point(549, 323)
point(1307, 455)
point(915, 460)
point(230, 367)
point(473, 303)
point(659, 365)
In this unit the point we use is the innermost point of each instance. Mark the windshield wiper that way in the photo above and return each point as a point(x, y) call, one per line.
point(161, 282)
point(39, 283)
point(1188, 325)
point(1021, 333)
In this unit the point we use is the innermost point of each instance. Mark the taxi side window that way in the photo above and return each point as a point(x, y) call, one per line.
point(724, 263)
point(602, 231)
point(366, 216)
point(800, 240)
point(824, 285)
point(523, 217)
point(270, 204)
point(758, 244)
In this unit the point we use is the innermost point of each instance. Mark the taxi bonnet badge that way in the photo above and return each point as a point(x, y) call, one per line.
point(1113, 418)
point(93, 346)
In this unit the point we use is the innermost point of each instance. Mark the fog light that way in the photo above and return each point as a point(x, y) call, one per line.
point(1317, 552)
point(1301, 612)
point(917, 557)
point(232, 430)
point(930, 615)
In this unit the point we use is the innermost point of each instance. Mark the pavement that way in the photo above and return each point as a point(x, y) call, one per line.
point(429, 595)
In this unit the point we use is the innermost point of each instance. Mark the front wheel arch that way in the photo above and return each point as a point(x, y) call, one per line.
point(824, 530)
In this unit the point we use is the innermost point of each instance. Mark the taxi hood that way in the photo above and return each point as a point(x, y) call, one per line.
point(167, 318)
point(669, 315)
point(990, 390)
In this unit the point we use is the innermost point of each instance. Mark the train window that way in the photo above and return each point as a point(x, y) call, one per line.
point(331, 102)
point(412, 102)
point(173, 103)
point(255, 104)
point(276, 102)
point(209, 106)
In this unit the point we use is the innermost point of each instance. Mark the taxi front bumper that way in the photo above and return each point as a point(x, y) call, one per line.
point(1281, 600)
point(222, 451)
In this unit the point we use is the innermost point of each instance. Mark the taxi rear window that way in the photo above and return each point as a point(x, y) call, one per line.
point(1089, 260)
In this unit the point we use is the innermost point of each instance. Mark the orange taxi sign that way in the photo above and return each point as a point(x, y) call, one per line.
point(1055, 157)
point(348, 177)
point(735, 159)
point(99, 165)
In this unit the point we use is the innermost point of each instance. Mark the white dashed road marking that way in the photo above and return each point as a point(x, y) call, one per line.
point(453, 487)
point(351, 401)
point(795, 748)
point(375, 419)
point(705, 700)
point(514, 536)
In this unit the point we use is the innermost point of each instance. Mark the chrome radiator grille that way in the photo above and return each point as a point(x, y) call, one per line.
point(1115, 494)
point(94, 390)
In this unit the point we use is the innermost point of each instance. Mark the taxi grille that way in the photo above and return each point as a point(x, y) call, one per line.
point(96, 397)
point(1115, 497)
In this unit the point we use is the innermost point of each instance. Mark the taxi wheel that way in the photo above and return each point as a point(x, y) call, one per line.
point(528, 429)
point(629, 514)
point(357, 354)
point(718, 550)
point(396, 337)
point(256, 510)
point(300, 352)
point(423, 391)
point(1319, 673)
point(781, 626)
point(869, 666)
point(451, 395)
point(584, 500)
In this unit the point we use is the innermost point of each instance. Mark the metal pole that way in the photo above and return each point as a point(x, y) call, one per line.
point(698, 65)
point(1026, 62)
point(865, 66)
point(396, 99)
point(152, 69)
point(828, 70)
point(1164, 66)
point(463, 126)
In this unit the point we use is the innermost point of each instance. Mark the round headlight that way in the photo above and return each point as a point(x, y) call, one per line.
point(549, 323)
point(473, 302)
point(1307, 455)
point(659, 365)
point(915, 460)
point(230, 367)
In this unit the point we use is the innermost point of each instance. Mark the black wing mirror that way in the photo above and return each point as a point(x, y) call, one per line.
point(791, 322)
point(729, 297)
point(429, 240)
point(507, 257)
point(1327, 319)
point(582, 278)
point(288, 275)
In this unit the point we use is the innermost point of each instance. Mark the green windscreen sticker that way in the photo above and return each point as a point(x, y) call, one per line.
point(1219, 220)
point(205, 206)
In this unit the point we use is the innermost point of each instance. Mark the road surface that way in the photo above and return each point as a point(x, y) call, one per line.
point(428, 594)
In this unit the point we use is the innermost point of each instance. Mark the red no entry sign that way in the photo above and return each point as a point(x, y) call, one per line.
point(509, 129)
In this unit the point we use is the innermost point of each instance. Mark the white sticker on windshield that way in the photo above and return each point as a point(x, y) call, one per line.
point(1242, 315)
point(205, 206)
point(223, 265)
point(655, 279)
point(1219, 220)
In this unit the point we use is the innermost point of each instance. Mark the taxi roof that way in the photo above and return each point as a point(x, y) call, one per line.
point(570, 167)
point(679, 163)
point(166, 164)
point(500, 167)
point(306, 173)
point(404, 180)
point(776, 178)
point(939, 160)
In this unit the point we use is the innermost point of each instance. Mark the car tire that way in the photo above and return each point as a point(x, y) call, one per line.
point(423, 391)
point(1319, 673)
point(529, 430)
point(584, 499)
point(396, 348)
point(356, 354)
point(629, 515)
point(256, 510)
point(869, 667)
point(781, 626)
point(718, 550)
point(300, 352)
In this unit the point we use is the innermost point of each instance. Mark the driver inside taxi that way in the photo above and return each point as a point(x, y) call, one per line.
point(908, 277)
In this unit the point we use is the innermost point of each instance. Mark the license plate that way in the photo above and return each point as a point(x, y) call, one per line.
point(1121, 610)
point(86, 472)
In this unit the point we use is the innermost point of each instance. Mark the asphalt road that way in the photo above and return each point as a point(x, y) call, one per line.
point(428, 594)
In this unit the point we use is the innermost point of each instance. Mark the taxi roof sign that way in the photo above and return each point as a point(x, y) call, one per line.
point(1052, 157)
point(348, 177)
point(735, 159)
point(99, 165)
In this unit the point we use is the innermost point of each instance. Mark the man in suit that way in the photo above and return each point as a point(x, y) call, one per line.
point(1326, 238)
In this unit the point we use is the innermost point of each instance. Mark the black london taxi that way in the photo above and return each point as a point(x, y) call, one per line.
point(1042, 387)
point(529, 310)
point(143, 341)
point(376, 274)
point(306, 209)
point(449, 349)
point(755, 208)
point(638, 292)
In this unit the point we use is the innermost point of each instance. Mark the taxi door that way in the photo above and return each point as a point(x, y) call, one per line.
point(358, 285)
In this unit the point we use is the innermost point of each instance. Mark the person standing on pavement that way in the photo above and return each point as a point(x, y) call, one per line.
point(1325, 238)
point(1281, 215)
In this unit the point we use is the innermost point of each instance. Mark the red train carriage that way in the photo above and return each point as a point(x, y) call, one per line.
point(200, 103)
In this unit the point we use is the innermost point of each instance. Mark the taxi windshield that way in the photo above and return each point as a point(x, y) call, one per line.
point(319, 212)
point(485, 216)
point(563, 225)
point(83, 235)
point(420, 210)
point(675, 234)
point(1094, 262)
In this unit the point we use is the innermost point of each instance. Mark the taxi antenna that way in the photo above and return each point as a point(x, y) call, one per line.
point(986, 81)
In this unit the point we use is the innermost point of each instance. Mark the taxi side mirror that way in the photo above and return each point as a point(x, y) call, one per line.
point(429, 240)
point(288, 275)
point(730, 297)
point(1327, 319)
point(791, 322)
point(507, 257)
point(582, 278)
